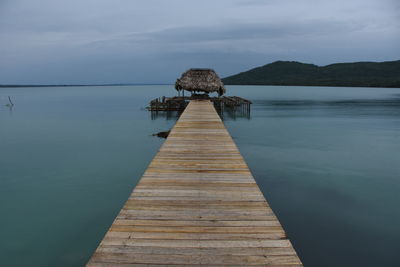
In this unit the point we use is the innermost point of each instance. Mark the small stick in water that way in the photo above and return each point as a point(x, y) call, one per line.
point(9, 99)
point(11, 104)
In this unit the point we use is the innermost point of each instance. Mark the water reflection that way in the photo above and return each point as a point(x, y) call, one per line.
point(395, 102)
point(167, 115)
point(346, 107)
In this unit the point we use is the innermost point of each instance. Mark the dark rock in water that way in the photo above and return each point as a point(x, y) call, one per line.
point(162, 134)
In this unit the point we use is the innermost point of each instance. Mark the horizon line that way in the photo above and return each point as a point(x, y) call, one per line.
point(81, 85)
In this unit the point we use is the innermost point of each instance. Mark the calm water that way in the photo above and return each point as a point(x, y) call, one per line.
point(327, 159)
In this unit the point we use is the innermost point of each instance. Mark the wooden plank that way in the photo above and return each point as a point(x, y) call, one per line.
point(194, 251)
point(197, 204)
point(109, 257)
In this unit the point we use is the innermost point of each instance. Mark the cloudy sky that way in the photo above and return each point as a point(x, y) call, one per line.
point(153, 41)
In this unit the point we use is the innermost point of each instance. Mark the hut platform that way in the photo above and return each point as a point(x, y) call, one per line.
point(196, 204)
point(179, 103)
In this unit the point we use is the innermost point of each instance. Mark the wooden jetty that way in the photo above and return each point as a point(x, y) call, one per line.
point(196, 204)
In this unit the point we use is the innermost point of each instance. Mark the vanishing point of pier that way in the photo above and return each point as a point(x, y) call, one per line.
point(196, 204)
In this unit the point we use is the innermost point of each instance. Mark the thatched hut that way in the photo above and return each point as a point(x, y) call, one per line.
point(200, 80)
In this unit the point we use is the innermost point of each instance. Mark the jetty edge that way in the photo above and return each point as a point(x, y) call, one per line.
point(196, 204)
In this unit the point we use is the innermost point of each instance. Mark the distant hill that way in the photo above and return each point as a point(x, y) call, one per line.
point(359, 74)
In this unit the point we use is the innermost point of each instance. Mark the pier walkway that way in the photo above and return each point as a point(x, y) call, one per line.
point(196, 204)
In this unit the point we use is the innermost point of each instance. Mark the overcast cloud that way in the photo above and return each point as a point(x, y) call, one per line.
point(153, 41)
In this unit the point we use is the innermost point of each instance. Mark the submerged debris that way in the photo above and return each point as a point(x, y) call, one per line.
point(162, 134)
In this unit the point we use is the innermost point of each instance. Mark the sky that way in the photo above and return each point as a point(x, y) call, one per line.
point(154, 41)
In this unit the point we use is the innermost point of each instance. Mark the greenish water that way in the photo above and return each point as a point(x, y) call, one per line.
point(327, 159)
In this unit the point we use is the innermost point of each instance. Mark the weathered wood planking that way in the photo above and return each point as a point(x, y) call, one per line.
point(196, 204)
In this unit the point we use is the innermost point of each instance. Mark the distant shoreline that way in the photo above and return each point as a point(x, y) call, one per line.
point(75, 85)
point(299, 85)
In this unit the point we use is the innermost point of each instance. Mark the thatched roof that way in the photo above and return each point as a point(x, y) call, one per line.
point(200, 80)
